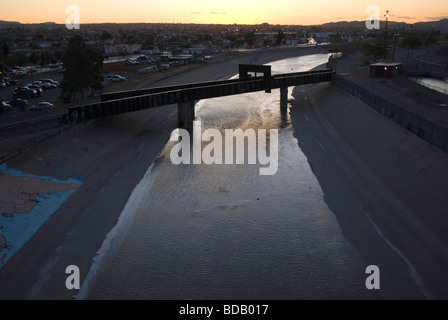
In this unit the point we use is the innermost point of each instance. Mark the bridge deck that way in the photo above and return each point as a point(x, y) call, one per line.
point(135, 100)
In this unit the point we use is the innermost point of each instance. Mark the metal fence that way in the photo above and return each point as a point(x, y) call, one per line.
point(58, 119)
point(423, 128)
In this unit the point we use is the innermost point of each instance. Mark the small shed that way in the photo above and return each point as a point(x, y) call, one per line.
point(385, 69)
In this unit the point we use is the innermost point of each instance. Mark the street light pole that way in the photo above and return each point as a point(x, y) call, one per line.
point(395, 44)
point(385, 38)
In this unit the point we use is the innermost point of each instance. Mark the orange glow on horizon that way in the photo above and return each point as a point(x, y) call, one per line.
point(298, 12)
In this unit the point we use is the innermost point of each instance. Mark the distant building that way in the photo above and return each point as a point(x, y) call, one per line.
point(385, 69)
point(182, 57)
point(44, 45)
point(121, 49)
point(193, 51)
point(258, 43)
point(270, 36)
point(291, 40)
point(90, 43)
point(215, 49)
point(321, 37)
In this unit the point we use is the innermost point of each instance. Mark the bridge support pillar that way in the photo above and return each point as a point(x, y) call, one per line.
point(186, 114)
point(284, 97)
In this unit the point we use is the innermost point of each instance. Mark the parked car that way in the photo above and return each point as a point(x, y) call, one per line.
point(14, 70)
point(116, 78)
point(24, 93)
point(17, 103)
point(30, 69)
point(44, 85)
point(41, 106)
point(35, 87)
point(50, 81)
point(18, 72)
point(147, 70)
point(165, 66)
point(131, 62)
point(10, 82)
point(2, 83)
point(20, 88)
point(142, 58)
point(4, 106)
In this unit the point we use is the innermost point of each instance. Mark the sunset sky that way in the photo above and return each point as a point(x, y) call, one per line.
point(303, 12)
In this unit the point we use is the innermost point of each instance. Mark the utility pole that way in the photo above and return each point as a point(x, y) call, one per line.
point(409, 45)
point(395, 44)
point(385, 38)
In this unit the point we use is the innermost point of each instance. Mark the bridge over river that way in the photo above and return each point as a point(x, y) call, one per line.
point(186, 95)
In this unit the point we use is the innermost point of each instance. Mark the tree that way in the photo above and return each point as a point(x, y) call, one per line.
point(374, 49)
point(83, 69)
point(231, 37)
point(335, 39)
point(280, 37)
point(148, 42)
point(105, 36)
point(5, 49)
point(250, 38)
point(58, 55)
point(44, 61)
point(35, 57)
point(16, 59)
point(430, 40)
point(411, 41)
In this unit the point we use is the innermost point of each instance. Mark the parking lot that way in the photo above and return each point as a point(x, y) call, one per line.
point(48, 95)
point(134, 79)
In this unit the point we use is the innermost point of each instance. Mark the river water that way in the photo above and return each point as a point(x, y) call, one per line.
point(435, 84)
point(225, 231)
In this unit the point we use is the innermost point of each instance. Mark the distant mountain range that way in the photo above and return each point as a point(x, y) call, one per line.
point(15, 23)
point(441, 25)
point(2, 22)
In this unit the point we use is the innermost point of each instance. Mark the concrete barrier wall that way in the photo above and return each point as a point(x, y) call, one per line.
point(427, 130)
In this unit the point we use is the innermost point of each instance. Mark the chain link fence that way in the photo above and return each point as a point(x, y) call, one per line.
point(427, 130)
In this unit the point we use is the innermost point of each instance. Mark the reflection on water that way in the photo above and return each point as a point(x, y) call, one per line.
point(224, 231)
point(434, 84)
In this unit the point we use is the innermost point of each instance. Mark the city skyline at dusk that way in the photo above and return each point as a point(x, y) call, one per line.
point(219, 12)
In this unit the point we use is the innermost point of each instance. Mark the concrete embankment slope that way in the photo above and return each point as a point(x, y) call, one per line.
point(386, 186)
point(412, 167)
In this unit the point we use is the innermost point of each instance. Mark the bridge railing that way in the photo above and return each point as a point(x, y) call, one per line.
point(135, 100)
point(31, 123)
point(140, 92)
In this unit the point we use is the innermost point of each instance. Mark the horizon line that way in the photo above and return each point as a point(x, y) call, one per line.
point(218, 24)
